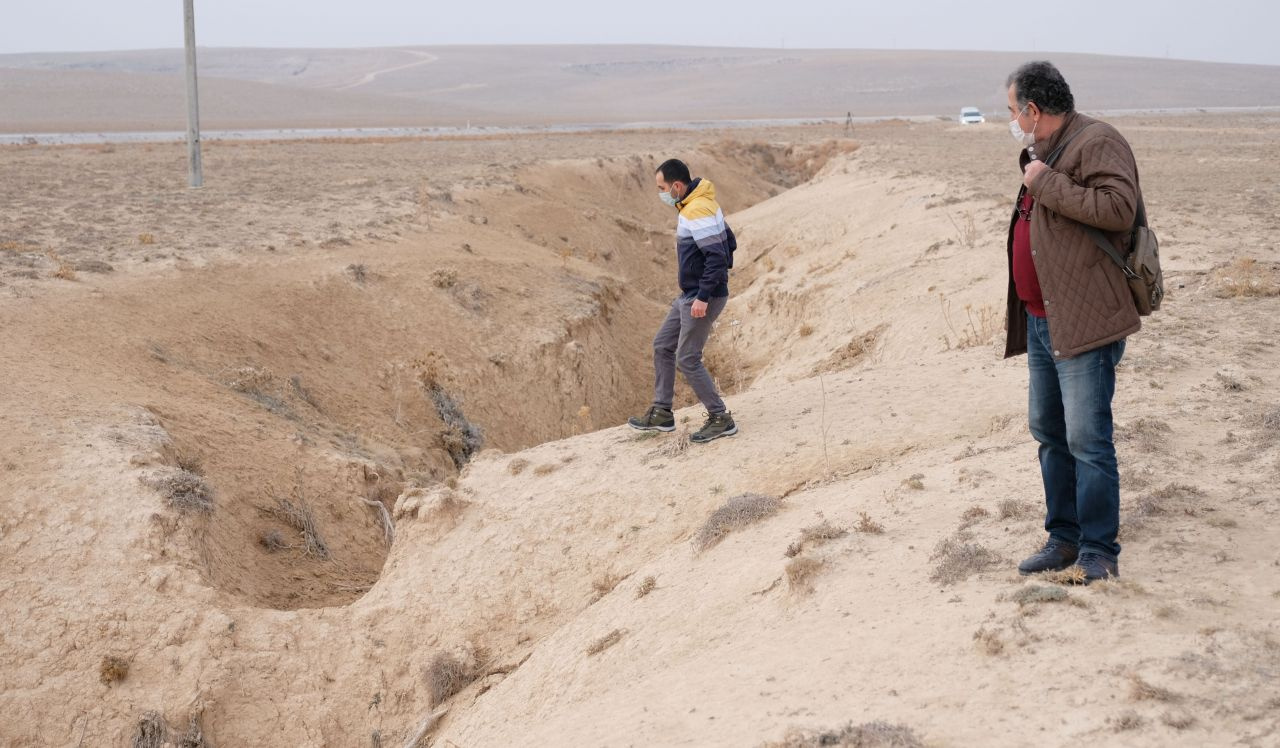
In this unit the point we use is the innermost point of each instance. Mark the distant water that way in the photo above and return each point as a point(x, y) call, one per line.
point(93, 138)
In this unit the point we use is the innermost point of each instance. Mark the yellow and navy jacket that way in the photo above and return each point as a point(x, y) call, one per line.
point(704, 244)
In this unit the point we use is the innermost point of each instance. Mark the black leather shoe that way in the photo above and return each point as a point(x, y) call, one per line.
point(1054, 556)
point(1096, 566)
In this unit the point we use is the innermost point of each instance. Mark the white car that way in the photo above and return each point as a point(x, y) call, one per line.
point(971, 116)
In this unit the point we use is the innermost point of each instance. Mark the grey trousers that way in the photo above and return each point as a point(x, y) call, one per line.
point(679, 343)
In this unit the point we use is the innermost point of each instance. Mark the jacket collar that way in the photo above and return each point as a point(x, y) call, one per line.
point(1070, 125)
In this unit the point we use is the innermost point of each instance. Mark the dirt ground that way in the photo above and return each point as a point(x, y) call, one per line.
point(327, 452)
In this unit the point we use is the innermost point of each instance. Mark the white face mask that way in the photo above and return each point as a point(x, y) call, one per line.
point(667, 198)
point(1025, 139)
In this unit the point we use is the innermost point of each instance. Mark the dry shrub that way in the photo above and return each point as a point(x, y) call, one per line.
point(819, 534)
point(866, 345)
point(94, 266)
point(448, 674)
point(648, 585)
point(1147, 434)
point(146, 238)
point(152, 731)
point(604, 642)
point(988, 641)
point(1014, 509)
point(868, 735)
point(677, 446)
point(252, 380)
point(1229, 383)
point(915, 482)
point(184, 490)
point(444, 277)
point(1140, 690)
point(1246, 277)
point(1178, 720)
point(546, 469)
point(604, 584)
point(1070, 575)
point(272, 541)
point(517, 466)
point(979, 327)
point(113, 669)
point(737, 512)
point(299, 516)
point(867, 525)
point(357, 273)
point(957, 558)
point(1126, 721)
point(801, 572)
point(63, 270)
point(973, 515)
point(1038, 594)
point(806, 330)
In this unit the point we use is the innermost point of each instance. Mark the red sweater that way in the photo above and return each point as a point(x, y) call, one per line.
point(1024, 269)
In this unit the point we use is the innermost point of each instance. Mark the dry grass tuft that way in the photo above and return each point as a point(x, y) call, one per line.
point(113, 669)
point(272, 541)
point(1126, 721)
point(1178, 720)
point(604, 584)
point(1071, 575)
point(1140, 690)
point(868, 735)
point(604, 642)
point(801, 572)
point(1038, 594)
point(448, 674)
point(972, 516)
point(867, 525)
point(821, 533)
point(1147, 434)
point(648, 585)
point(299, 516)
point(1014, 509)
point(517, 466)
point(152, 731)
point(915, 482)
point(146, 238)
point(546, 469)
point(737, 512)
point(64, 270)
point(806, 330)
point(444, 277)
point(1245, 277)
point(184, 490)
point(672, 448)
point(988, 641)
point(957, 559)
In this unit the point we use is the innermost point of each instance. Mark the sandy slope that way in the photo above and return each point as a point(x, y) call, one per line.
point(529, 558)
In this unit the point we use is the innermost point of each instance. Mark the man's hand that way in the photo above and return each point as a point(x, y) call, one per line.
point(699, 308)
point(1033, 170)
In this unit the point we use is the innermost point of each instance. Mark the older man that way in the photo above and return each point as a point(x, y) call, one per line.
point(1069, 310)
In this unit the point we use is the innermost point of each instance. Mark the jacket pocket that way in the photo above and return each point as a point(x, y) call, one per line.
point(1106, 285)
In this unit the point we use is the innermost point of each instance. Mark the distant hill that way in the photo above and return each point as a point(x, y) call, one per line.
point(533, 85)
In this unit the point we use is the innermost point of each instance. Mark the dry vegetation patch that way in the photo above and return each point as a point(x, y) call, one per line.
point(957, 558)
point(867, 735)
point(604, 642)
point(801, 572)
point(183, 490)
point(1245, 277)
point(737, 512)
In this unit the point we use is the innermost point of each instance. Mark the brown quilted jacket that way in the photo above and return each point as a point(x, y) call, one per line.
point(1086, 299)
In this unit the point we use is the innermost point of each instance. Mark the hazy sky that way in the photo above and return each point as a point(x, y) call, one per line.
point(1223, 30)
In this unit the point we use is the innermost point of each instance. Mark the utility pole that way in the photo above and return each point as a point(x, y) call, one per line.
point(195, 172)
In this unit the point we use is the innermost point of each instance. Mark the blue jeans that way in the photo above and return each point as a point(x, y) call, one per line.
point(1070, 415)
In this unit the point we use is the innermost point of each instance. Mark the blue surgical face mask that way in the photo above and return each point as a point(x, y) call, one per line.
point(667, 198)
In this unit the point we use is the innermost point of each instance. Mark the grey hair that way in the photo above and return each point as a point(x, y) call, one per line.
point(1042, 83)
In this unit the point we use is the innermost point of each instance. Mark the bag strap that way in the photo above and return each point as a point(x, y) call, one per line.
point(1094, 232)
